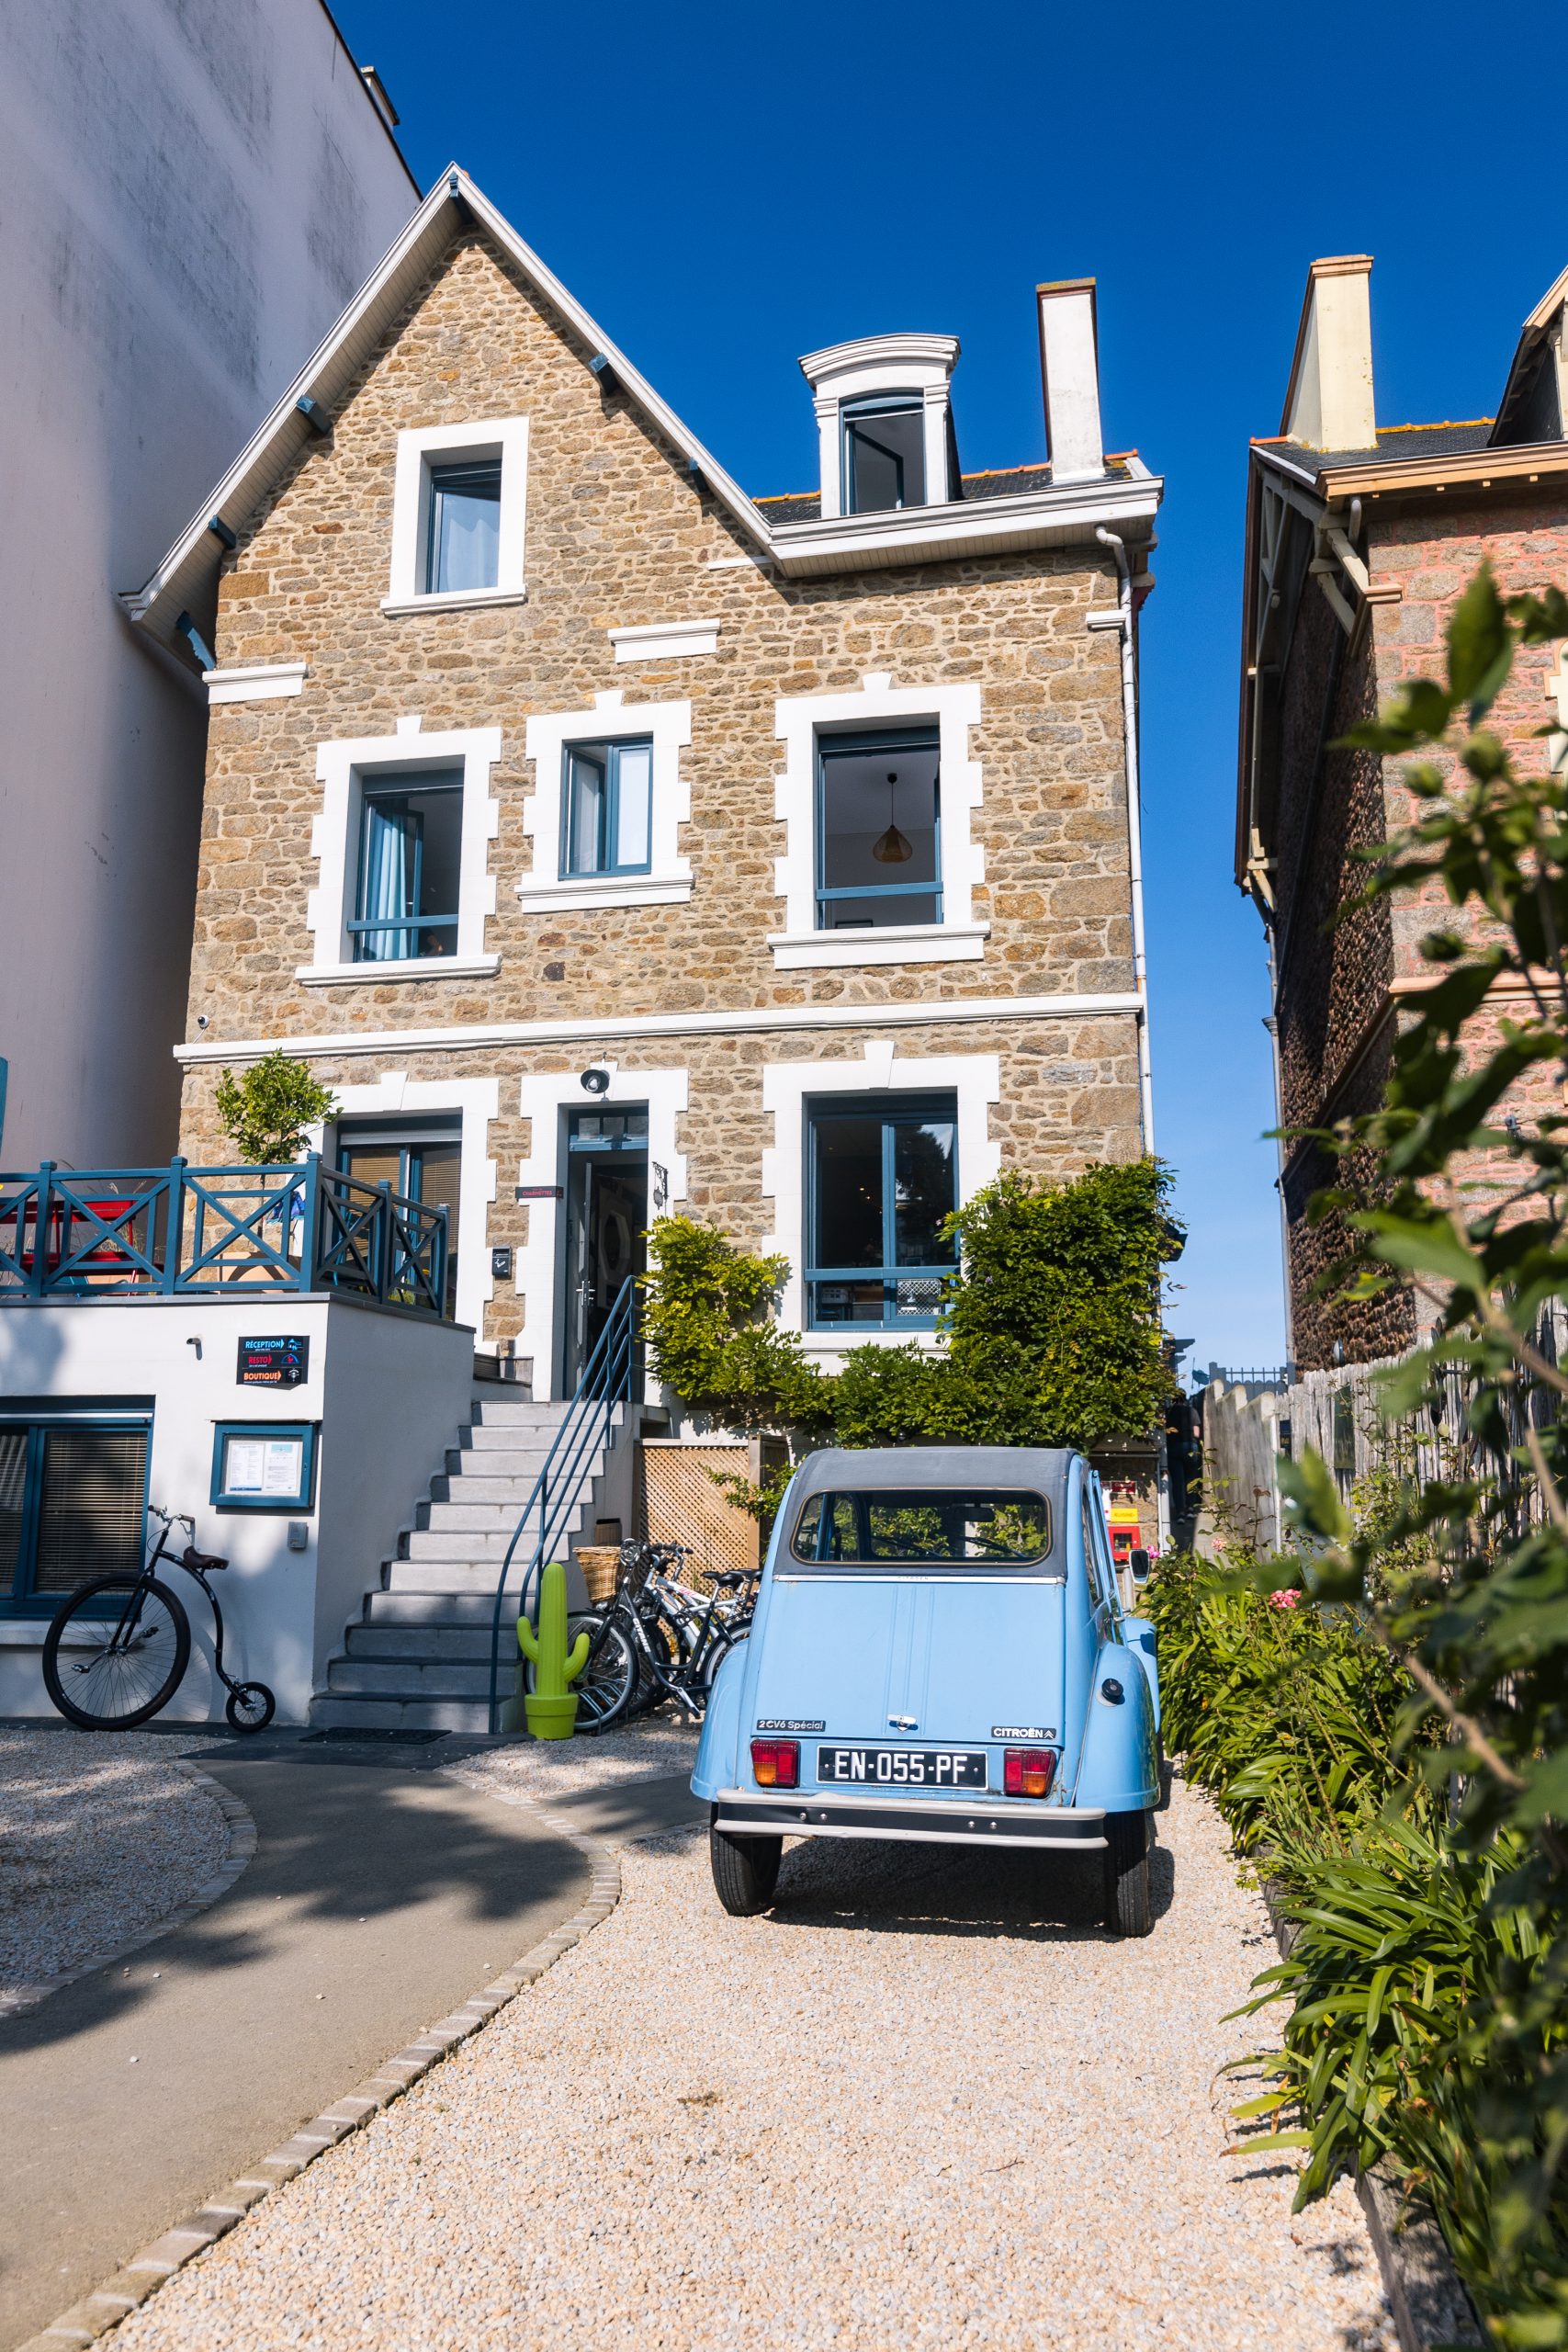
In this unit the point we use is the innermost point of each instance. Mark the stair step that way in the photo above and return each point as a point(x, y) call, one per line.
point(476, 1517)
point(486, 1437)
point(408, 1677)
point(518, 1413)
point(330, 1712)
point(481, 1488)
point(424, 1640)
point(446, 1576)
point(427, 1610)
point(471, 1544)
point(494, 1461)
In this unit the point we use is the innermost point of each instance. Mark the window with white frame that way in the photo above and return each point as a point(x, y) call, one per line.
point(881, 1181)
point(459, 506)
point(402, 841)
point(876, 794)
point(607, 806)
point(885, 452)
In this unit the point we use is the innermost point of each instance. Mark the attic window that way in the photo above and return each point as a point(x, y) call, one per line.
point(884, 463)
point(458, 508)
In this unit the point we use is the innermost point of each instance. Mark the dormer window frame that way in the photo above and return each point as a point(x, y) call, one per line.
point(854, 414)
point(857, 377)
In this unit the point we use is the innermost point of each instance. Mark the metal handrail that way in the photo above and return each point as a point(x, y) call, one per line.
point(606, 1381)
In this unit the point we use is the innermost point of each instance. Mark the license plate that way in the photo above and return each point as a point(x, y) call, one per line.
point(904, 1768)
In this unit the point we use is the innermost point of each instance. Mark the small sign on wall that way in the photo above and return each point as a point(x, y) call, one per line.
point(264, 1466)
point(275, 1361)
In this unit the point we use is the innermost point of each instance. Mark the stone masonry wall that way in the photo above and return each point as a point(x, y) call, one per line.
point(1069, 1095)
point(616, 536)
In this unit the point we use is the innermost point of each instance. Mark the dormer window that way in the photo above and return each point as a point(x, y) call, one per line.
point(884, 453)
point(884, 418)
point(460, 503)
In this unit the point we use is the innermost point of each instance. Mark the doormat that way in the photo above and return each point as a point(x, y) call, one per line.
point(372, 1738)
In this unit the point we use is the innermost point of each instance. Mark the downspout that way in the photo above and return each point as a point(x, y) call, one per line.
point(1121, 619)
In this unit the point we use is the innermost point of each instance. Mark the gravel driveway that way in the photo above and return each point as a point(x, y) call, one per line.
point(101, 1835)
point(928, 2104)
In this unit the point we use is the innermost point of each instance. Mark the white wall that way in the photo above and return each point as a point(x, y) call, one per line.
point(190, 191)
point(391, 1390)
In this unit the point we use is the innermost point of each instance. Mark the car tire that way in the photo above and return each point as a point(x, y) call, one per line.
point(745, 1871)
point(1127, 1911)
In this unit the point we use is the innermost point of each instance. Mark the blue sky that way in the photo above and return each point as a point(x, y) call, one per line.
point(727, 187)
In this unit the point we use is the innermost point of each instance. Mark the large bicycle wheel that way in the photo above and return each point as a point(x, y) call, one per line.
point(606, 1685)
point(115, 1652)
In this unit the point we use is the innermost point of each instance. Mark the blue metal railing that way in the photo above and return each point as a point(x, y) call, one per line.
point(176, 1231)
point(606, 1382)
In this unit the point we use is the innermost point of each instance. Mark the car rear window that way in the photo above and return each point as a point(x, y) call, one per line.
point(930, 1527)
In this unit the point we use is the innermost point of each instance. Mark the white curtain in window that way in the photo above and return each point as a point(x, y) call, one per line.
point(633, 804)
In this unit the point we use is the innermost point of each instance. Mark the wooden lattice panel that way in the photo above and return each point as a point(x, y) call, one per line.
point(680, 1503)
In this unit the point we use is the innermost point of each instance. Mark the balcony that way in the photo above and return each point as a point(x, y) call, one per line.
point(228, 1233)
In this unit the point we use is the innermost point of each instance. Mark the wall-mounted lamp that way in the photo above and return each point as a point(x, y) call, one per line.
point(595, 1080)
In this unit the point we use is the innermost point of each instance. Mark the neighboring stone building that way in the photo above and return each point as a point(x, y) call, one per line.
point(611, 842)
point(1359, 539)
point(190, 192)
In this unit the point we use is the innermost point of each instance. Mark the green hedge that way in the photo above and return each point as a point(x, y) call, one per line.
point(1423, 2023)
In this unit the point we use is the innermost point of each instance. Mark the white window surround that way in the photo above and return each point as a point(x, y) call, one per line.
point(974, 1078)
point(920, 364)
point(259, 681)
point(335, 842)
point(665, 641)
point(543, 1101)
point(478, 1101)
point(504, 437)
point(668, 882)
point(878, 704)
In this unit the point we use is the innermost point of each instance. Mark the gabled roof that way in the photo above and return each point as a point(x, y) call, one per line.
point(1026, 510)
point(185, 577)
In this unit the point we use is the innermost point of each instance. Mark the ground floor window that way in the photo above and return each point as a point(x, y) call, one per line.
point(72, 1501)
point(881, 1175)
point(419, 1159)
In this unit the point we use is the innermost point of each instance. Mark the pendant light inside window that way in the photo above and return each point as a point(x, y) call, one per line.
point(891, 848)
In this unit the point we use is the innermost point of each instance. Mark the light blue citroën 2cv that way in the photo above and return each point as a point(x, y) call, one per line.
point(940, 1654)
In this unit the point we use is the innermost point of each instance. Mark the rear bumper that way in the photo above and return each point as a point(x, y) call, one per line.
point(744, 1814)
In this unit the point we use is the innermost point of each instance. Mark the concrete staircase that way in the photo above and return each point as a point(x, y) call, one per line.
point(417, 1657)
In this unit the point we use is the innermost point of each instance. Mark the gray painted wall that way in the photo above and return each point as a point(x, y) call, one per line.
point(190, 191)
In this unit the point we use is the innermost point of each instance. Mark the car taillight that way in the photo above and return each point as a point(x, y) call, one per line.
point(775, 1763)
point(1028, 1772)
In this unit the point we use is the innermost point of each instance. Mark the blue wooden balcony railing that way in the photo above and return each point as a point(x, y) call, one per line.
point(224, 1232)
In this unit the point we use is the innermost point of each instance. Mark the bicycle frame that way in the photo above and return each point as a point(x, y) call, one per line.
point(160, 1551)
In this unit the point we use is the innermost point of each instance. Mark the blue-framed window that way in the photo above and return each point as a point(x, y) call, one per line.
point(607, 807)
point(410, 856)
point(885, 452)
point(878, 828)
point(463, 540)
point(73, 1500)
point(881, 1177)
point(264, 1466)
point(421, 1158)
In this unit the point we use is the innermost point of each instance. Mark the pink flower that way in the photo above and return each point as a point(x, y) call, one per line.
point(1283, 1599)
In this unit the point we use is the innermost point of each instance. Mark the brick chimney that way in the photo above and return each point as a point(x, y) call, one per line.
point(1069, 370)
point(1329, 401)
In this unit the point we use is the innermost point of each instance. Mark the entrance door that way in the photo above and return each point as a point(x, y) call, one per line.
point(606, 1225)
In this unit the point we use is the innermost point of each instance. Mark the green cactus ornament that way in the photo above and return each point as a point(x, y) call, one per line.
point(551, 1707)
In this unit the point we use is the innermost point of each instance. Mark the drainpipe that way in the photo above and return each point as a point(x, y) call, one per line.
point(1121, 619)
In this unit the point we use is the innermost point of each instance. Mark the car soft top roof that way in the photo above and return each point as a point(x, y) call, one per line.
point(1041, 1469)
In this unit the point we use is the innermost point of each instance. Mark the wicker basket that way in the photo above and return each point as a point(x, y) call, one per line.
point(600, 1564)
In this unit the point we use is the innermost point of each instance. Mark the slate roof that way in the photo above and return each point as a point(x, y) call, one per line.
point(1394, 441)
point(1001, 481)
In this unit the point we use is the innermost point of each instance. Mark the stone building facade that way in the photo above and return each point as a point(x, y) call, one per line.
point(611, 842)
point(1359, 541)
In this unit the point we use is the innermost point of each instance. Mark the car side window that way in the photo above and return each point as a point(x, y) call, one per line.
point(1097, 1554)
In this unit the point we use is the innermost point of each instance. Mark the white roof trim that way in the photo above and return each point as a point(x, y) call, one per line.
point(187, 572)
point(184, 579)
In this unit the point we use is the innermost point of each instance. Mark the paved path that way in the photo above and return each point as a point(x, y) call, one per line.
point(928, 2102)
point(378, 1899)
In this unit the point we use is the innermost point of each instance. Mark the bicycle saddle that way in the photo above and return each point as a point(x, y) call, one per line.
point(191, 1558)
point(731, 1575)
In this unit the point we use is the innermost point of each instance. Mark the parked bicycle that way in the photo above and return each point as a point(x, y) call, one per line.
point(118, 1646)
